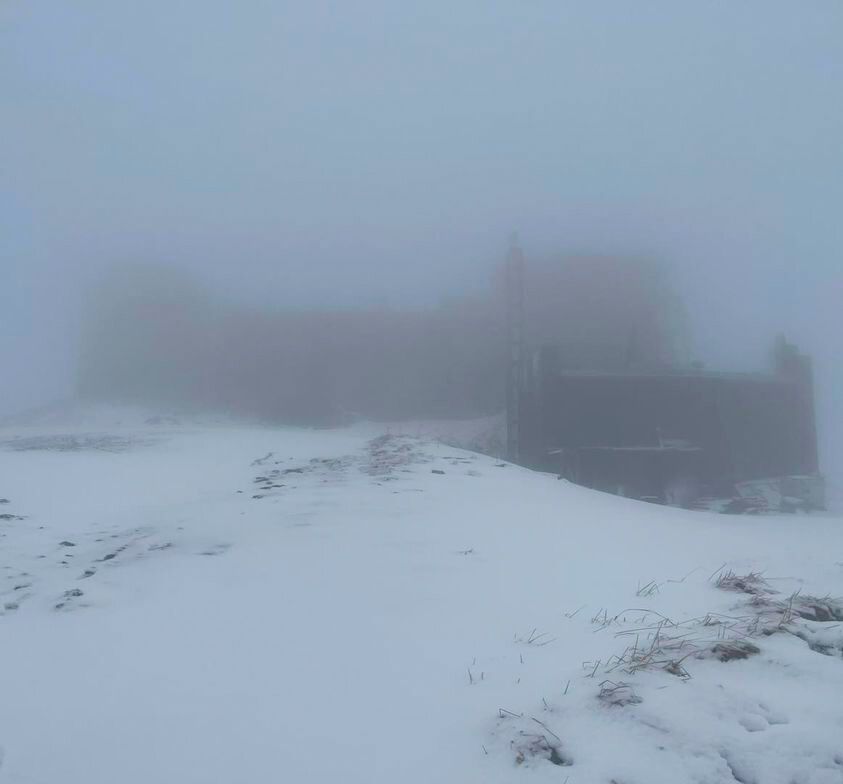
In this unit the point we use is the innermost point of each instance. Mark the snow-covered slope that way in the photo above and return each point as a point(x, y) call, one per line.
point(190, 605)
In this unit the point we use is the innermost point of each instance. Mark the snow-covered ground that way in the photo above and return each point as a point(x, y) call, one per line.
point(187, 604)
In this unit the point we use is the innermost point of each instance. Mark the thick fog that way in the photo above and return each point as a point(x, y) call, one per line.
point(377, 155)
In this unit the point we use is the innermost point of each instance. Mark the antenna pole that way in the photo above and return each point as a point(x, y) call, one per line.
point(515, 340)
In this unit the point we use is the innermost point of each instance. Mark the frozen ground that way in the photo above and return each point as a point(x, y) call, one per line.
point(190, 603)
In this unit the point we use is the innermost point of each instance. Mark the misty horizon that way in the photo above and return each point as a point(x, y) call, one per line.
point(396, 392)
point(301, 157)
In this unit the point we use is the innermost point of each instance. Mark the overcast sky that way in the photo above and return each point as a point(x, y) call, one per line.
point(356, 152)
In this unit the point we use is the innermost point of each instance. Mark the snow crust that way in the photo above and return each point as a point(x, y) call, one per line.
point(192, 603)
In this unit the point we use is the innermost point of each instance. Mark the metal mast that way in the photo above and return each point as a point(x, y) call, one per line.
point(515, 340)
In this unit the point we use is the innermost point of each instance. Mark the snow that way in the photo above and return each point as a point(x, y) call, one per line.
point(373, 621)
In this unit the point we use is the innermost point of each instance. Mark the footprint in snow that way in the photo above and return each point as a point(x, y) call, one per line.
point(68, 598)
point(217, 549)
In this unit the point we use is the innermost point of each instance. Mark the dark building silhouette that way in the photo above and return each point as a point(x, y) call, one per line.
point(682, 436)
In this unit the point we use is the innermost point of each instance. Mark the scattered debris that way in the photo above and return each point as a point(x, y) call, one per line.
point(731, 651)
point(112, 555)
point(75, 443)
point(537, 638)
point(389, 453)
point(826, 639)
point(162, 420)
point(68, 596)
point(617, 694)
point(811, 608)
point(746, 505)
point(534, 741)
point(536, 747)
point(217, 549)
point(649, 589)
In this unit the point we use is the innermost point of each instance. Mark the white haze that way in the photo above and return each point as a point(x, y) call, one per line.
point(322, 154)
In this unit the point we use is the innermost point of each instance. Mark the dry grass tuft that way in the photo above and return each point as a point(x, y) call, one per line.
point(752, 583)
